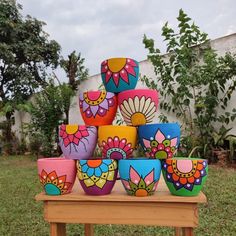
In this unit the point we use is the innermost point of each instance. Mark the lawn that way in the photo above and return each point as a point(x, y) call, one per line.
point(21, 215)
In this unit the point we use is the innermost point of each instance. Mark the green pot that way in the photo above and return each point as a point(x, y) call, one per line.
point(185, 176)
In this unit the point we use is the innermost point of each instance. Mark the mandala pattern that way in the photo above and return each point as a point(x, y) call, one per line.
point(73, 135)
point(138, 111)
point(116, 148)
point(160, 147)
point(118, 68)
point(185, 173)
point(96, 172)
point(53, 184)
point(93, 104)
point(138, 186)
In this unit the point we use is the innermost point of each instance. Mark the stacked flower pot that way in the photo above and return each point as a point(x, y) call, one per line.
point(139, 175)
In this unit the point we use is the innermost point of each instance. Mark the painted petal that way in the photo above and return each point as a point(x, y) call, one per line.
point(116, 142)
point(125, 111)
point(116, 79)
point(94, 110)
point(110, 95)
point(78, 135)
point(126, 183)
point(66, 142)
point(104, 175)
point(108, 76)
point(146, 143)
point(149, 178)
point(142, 103)
point(98, 172)
point(75, 140)
point(146, 106)
point(85, 133)
point(71, 137)
point(127, 107)
point(151, 109)
point(124, 76)
point(159, 137)
point(90, 172)
point(104, 62)
point(64, 135)
point(52, 176)
point(88, 182)
point(136, 104)
point(104, 104)
point(131, 62)
point(111, 175)
point(81, 97)
point(188, 186)
point(104, 167)
point(84, 168)
point(134, 176)
point(101, 183)
point(104, 69)
point(173, 142)
point(131, 105)
point(85, 106)
point(110, 143)
point(130, 70)
point(122, 143)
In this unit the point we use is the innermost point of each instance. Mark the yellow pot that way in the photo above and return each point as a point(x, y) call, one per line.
point(117, 142)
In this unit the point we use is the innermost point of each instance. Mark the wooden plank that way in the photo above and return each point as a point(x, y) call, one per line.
point(57, 229)
point(188, 231)
point(88, 230)
point(119, 195)
point(178, 231)
point(162, 214)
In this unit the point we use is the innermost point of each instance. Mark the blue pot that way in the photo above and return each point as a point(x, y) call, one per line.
point(119, 74)
point(140, 176)
point(159, 141)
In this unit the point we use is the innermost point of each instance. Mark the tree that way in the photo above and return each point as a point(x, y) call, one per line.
point(26, 54)
point(75, 70)
point(195, 82)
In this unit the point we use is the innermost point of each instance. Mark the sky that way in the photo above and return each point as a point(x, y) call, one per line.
point(102, 29)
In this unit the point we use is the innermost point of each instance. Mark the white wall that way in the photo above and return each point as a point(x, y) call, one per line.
point(221, 45)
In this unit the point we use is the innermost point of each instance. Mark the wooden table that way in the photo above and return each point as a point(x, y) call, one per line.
point(161, 209)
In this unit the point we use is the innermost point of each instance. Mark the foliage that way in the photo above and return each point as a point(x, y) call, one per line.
point(47, 112)
point(25, 55)
point(196, 83)
point(75, 69)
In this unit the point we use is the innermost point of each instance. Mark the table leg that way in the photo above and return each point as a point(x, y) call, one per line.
point(188, 231)
point(88, 229)
point(178, 231)
point(57, 229)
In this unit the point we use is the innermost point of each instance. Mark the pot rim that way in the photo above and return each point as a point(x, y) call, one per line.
point(154, 124)
point(186, 158)
point(50, 159)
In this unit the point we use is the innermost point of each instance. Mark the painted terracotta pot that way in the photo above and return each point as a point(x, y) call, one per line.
point(140, 176)
point(97, 176)
point(119, 74)
point(98, 107)
point(57, 175)
point(185, 176)
point(77, 141)
point(138, 106)
point(117, 142)
point(159, 140)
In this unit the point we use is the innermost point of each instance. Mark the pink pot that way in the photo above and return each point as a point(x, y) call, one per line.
point(138, 106)
point(57, 175)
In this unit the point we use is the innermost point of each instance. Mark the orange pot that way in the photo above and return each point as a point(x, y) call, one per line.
point(98, 107)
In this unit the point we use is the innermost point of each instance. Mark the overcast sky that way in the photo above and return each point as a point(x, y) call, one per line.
point(101, 29)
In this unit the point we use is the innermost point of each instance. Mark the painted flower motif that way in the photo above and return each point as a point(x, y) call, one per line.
point(93, 104)
point(138, 111)
point(118, 68)
point(160, 147)
point(72, 134)
point(185, 173)
point(140, 186)
point(116, 148)
point(96, 172)
point(53, 184)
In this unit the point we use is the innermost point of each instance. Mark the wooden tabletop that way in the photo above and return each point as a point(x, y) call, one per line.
point(118, 194)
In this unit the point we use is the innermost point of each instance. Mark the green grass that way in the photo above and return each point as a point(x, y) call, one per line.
point(21, 215)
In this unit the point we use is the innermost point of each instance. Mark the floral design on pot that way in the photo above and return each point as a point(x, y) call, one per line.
point(185, 176)
point(140, 186)
point(98, 107)
point(56, 175)
point(98, 176)
point(163, 143)
point(77, 141)
point(140, 176)
point(53, 184)
point(138, 106)
point(119, 74)
point(117, 142)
